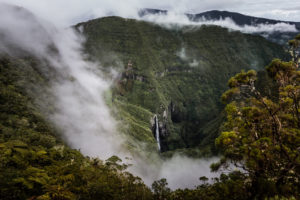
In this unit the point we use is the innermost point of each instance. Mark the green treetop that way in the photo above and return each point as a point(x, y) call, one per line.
point(261, 136)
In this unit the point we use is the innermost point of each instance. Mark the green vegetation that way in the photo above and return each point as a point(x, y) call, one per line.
point(34, 162)
point(181, 71)
point(261, 134)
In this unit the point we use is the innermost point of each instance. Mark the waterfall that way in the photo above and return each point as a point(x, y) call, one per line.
point(157, 132)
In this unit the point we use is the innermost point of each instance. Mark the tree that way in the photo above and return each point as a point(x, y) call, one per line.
point(161, 191)
point(261, 136)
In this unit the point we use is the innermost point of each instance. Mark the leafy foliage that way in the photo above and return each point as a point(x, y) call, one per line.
point(160, 189)
point(261, 136)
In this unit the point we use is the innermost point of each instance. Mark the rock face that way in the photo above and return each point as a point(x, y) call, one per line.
point(178, 74)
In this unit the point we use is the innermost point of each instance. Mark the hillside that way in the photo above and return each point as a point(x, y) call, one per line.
point(177, 74)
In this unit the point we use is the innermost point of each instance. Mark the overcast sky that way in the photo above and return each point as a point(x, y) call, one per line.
point(67, 12)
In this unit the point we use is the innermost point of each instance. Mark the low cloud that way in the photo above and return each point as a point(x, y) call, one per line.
point(175, 20)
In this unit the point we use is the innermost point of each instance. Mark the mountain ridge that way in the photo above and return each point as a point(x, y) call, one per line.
point(275, 34)
point(216, 14)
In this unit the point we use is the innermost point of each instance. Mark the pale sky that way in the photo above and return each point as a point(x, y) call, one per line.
point(68, 12)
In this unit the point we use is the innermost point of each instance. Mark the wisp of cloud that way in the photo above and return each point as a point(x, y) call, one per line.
point(173, 19)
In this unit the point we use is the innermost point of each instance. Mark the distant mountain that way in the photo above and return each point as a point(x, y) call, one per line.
point(237, 18)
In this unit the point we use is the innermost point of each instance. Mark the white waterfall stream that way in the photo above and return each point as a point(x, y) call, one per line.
point(157, 132)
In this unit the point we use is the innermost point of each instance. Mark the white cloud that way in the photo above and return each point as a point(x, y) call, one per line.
point(173, 19)
point(67, 12)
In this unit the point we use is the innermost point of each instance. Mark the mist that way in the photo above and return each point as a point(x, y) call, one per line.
point(80, 111)
point(184, 172)
point(174, 19)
